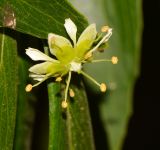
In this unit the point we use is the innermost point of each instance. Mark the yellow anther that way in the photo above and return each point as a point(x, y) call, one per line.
point(58, 79)
point(28, 87)
point(103, 87)
point(88, 55)
point(114, 60)
point(64, 104)
point(105, 29)
point(71, 93)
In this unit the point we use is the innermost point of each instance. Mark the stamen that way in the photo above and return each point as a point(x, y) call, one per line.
point(114, 60)
point(89, 77)
point(58, 79)
point(103, 87)
point(28, 88)
point(99, 37)
point(88, 55)
point(39, 82)
point(109, 35)
point(104, 39)
point(66, 90)
point(71, 93)
point(105, 29)
point(64, 104)
point(100, 60)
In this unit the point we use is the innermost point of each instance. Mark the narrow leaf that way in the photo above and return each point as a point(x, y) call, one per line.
point(78, 120)
point(57, 125)
point(70, 129)
point(37, 17)
point(8, 89)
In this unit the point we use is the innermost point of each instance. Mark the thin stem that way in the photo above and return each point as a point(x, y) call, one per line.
point(89, 77)
point(45, 78)
point(100, 60)
point(104, 39)
point(67, 86)
point(40, 82)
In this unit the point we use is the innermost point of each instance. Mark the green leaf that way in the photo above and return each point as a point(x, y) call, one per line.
point(125, 18)
point(57, 125)
point(25, 111)
point(69, 129)
point(79, 123)
point(8, 88)
point(38, 18)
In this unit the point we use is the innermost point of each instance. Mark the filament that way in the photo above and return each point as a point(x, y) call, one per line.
point(67, 86)
point(89, 77)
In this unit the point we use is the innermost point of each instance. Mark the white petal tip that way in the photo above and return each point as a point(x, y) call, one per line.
point(69, 24)
point(71, 29)
point(28, 49)
point(29, 52)
point(37, 55)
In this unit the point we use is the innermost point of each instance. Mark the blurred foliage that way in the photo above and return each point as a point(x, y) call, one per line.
point(125, 17)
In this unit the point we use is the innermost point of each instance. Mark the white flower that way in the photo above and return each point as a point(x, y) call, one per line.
point(69, 57)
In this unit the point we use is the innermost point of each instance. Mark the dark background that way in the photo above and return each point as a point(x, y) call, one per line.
point(144, 127)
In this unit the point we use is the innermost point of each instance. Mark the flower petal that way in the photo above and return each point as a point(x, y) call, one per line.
point(36, 55)
point(60, 47)
point(86, 40)
point(37, 77)
point(50, 68)
point(41, 68)
point(71, 29)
